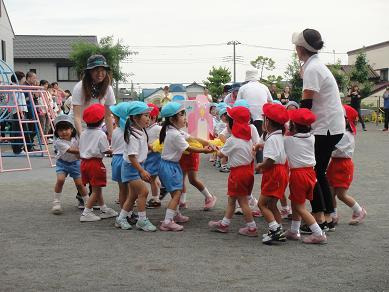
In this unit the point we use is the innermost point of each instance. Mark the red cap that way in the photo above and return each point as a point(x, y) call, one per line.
point(302, 116)
point(352, 116)
point(93, 113)
point(241, 117)
point(155, 111)
point(276, 112)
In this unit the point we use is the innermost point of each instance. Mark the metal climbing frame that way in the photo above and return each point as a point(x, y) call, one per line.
point(38, 99)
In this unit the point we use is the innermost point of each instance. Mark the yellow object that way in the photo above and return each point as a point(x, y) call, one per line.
point(156, 146)
point(216, 142)
point(193, 143)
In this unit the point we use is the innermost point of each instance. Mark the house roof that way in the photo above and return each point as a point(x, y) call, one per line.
point(367, 48)
point(177, 88)
point(146, 92)
point(6, 12)
point(379, 86)
point(372, 74)
point(47, 46)
point(195, 84)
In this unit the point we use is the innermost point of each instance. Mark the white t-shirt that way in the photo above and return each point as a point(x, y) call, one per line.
point(228, 99)
point(345, 147)
point(153, 132)
point(254, 134)
point(68, 105)
point(300, 150)
point(79, 98)
point(256, 94)
point(274, 148)
point(137, 146)
point(93, 143)
point(239, 151)
point(117, 142)
point(219, 126)
point(175, 144)
point(20, 100)
point(326, 103)
point(62, 146)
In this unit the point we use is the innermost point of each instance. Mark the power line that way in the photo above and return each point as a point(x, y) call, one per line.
point(177, 46)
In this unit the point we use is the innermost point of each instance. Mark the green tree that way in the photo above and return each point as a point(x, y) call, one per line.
point(342, 79)
point(216, 80)
point(292, 75)
point(360, 75)
point(262, 63)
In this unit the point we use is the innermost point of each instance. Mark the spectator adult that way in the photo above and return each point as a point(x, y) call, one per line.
point(206, 93)
point(31, 80)
point(226, 88)
point(386, 108)
point(95, 87)
point(321, 95)
point(256, 94)
point(59, 93)
point(42, 111)
point(167, 96)
point(273, 91)
point(355, 102)
point(285, 95)
point(68, 104)
point(232, 94)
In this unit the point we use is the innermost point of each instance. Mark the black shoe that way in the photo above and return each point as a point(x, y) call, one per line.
point(152, 204)
point(274, 236)
point(331, 226)
point(324, 226)
point(80, 201)
point(133, 219)
point(304, 229)
point(162, 193)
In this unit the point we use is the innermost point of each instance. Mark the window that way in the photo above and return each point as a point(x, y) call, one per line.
point(66, 73)
point(384, 74)
point(3, 51)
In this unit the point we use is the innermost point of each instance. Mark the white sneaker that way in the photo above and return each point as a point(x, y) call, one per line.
point(238, 211)
point(253, 203)
point(108, 213)
point(89, 217)
point(56, 209)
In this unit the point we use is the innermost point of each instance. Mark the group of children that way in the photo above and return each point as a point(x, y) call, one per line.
point(288, 158)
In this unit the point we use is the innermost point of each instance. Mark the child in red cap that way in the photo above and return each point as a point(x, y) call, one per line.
point(341, 169)
point(274, 169)
point(238, 149)
point(93, 145)
point(300, 151)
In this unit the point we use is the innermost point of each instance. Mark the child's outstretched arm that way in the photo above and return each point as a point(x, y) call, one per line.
point(143, 173)
point(73, 150)
point(205, 150)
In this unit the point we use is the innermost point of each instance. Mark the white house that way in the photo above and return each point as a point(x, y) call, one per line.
point(7, 36)
point(48, 57)
point(194, 89)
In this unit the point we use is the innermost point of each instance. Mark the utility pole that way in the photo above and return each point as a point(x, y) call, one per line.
point(234, 44)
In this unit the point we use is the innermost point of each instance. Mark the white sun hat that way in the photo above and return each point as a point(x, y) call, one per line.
point(299, 40)
point(251, 75)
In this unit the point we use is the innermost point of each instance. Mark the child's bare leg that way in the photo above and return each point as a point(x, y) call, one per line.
point(123, 193)
point(284, 202)
point(81, 190)
point(96, 196)
point(263, 203)
point(141, 192)
point(244, 204)
point(342, 195)
point(183, 194)
point(60, 182)
point(308, 218)
point(230, 208)
point(273, 207)
point(154, 188)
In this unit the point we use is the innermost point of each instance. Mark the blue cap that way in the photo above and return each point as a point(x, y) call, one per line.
point(178, 98)
point(121, 110)
point(241, 102)
point(277, 101)
point(234, 87)
point(222, 111)
point(138, 107)
point(171, 108)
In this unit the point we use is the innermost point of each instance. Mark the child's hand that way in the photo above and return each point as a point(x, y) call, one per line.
point(208, 149)
point(258, 168)
point(145, 176)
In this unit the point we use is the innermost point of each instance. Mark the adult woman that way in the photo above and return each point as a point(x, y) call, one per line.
point(95, 87)
point(386, 108)
point(68, 104)
point(285, 95)
point(321, 95)
point(355, 102)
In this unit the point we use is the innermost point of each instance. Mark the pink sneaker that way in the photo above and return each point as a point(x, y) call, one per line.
point(335, 219)
point(358, 218)
point(218, 226)
point(172, 226)
point(179, 218)
point(315, 239)
point(292, 235)
point(209, 203)
point(183, 206)
point(285, 213)
point(247, 231)
point(256, 213)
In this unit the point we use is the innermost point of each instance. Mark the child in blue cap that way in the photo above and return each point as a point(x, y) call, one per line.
point(133, 172)
point(170, 173)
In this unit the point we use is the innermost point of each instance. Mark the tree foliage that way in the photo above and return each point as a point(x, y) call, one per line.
point(262, 63)
point(292, 75)
point(360, 75)
point(216, 80)
point(342, 79)
point(114, 53)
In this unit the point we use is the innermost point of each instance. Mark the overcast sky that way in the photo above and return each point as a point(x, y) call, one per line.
point(344, 24)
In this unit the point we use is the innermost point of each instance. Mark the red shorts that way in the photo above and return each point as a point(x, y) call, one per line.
point(275, 181)
point(93, 172)
point(241, 180)
point(190, 162)
point(301, 184)
point(340, 172)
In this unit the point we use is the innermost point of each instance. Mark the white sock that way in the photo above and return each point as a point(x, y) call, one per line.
point(356, 208)
point(86, 211)
point(295, 227)
point(333, 214)
point(169, 216)
point(183, 198)
point(57, 197)
point(273, 225)
point(226, 221)
point(142, 216)
point(251, 224)
point(316, 230)
point(206, 193)
point(123, 214)
point(85, 199)
point(130, 213)
point(103, 207)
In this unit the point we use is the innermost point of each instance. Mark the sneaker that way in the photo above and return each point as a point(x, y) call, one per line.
point(96, 207)
point(218, 226)
point(274, 236)
point(224, 169)
point(209, 203)
point(183, 206)
point(162, 193)
point(289, 234)
point(172, 226)
point(285, 212)
point(56, 209)
point(108, 213)
point(335, 219)
point(315, 239)
point(145, 225)
point(89, 217)
point(153, 203)
point(304, 229)
point(247, 231)
point(238, 211)
point(331, 226)
point(358, 218)
point(324, 226)
point(179, 218)
point(122, 223)
point(133, 219)
point(217, 164)
point(256, 213)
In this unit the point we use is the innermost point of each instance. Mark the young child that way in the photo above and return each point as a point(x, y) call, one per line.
point(153, 158)
point(300, 150)
point(93, 145)
point(341, 168)
point(133, 172)
point(238, 149)
point(170, 173)
point(68, 160)
point(274, 169)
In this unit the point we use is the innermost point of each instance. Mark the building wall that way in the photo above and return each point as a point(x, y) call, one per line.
point(7, 35)
point(374, 98)
point(378, 58)
point(193, 91)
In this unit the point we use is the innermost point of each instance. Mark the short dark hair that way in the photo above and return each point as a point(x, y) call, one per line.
point(43, 82)
point(19, 75)
point(313, 38)
point(68, 91)
point(293, 127)
point(95, 125)
point(54, 83)
point(30, 74)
